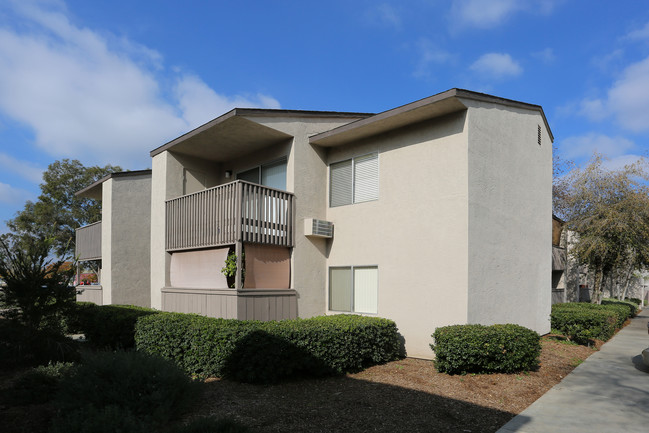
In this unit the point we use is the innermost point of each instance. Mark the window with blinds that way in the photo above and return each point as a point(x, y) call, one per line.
point(354, 289)
point(354, 180)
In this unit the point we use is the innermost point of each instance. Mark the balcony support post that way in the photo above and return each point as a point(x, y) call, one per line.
point(238, 249)
point(238, 244)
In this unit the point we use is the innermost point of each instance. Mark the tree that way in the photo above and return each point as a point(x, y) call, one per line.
point(37, 292)
point(609, 212)
point(58, 212)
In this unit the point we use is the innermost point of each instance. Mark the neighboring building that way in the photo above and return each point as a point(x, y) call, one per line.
point(430, 214)
point(120, 242)
point(559, 262)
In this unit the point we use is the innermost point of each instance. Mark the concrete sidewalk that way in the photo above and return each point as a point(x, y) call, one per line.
point(608, 392)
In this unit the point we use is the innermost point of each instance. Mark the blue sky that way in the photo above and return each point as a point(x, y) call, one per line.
point(107, 81)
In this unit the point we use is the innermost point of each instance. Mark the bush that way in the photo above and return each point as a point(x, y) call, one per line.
point(109, 326)
point(141, 387)
point(636, 301)
point(583, 322)
point(630, 306)
point(211, 425)
point(37, 292)
point(485, 349)
point(251, 351)
point(38, 385)
point(21, 346)
point(91, 419)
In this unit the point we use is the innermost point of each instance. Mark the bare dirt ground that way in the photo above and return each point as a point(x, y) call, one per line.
point(401, 396)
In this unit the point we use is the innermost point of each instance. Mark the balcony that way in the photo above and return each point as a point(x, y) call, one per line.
point(88, 242)
point(226, 214)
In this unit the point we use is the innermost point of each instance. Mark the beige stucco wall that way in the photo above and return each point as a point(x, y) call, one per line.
point(304, 162)
point(306, 177)
point(510, 217)
point(130, 239)
point(416, 232)
point(106, 246)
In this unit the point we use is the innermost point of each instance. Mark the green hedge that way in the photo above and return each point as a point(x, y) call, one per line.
point(630, 306)
point(485, 349)
point(582, 322)
point(109, 326)
point(259, 352)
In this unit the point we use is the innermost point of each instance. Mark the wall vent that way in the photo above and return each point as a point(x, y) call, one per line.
point(318, 228)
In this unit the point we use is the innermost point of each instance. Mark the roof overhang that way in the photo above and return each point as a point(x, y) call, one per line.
point(236, 133)
point(94, 190)
point(434, 106)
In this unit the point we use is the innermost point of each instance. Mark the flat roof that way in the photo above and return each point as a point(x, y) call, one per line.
point(437, 105)
point(91, 192)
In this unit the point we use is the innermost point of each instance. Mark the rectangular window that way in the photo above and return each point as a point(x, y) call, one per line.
point(354, 180)
point(272, 175)
point(354, 289)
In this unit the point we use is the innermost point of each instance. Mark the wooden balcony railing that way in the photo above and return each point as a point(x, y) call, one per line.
point(88, 242)
point(235, 212)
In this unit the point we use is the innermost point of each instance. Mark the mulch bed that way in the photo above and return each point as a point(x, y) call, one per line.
point(407, 395)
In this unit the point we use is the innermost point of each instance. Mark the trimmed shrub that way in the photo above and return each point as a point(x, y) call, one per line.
point(110, 326)
point(39, 384)
point(211, 425)
point(630, 306)
point(636, 301)
point(141, 387)
point(485, 349)
point(582, 322)
point(21, 346)
point(258, 352)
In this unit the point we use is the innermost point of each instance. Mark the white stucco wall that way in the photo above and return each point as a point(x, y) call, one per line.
point(416, 232)
point(510, 217)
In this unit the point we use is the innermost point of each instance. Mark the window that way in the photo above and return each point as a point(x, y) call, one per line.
point(354, 180)
point(354, 289)
point(272, 175)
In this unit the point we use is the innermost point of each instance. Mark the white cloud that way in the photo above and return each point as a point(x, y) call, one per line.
point(429, 55)
point(24, 169)
point(96, 97)
point(200, 104)
point(639, 34)
point(384, 15)
point(583, 147)
point(13, 196)
point(627, 100)
point(489, 14)
point(497, 65)
point(594, 109)
point(546, 55)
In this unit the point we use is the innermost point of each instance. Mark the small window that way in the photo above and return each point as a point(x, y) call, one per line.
point(354, 180)
point(354, 289)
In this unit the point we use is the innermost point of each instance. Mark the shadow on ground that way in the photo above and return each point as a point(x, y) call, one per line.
point(343, 404)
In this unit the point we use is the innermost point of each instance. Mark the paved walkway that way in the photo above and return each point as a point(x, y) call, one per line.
point(609, 392)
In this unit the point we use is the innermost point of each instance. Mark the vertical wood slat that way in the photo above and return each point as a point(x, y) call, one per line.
point(238, 211)
point(88, 242)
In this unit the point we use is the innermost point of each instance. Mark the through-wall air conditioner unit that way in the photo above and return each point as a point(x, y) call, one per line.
point(318, 228)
